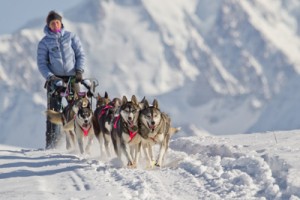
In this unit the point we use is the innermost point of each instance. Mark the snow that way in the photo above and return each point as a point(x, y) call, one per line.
point(163, 49)
point(254, 166)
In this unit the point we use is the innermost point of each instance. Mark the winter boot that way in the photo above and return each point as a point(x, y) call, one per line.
point(54, 102)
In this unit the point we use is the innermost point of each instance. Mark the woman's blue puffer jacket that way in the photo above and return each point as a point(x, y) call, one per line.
point(60, 54)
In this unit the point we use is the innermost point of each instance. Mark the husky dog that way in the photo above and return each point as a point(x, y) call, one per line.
point(125, 136)
point(63, 118)
point(101, 103)
point(103, 116)
point(81, 124)
point(155, 128)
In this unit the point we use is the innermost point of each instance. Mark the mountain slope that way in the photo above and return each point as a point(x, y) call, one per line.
point(215, 65)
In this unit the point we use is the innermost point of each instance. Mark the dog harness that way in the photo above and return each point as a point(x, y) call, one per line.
point(86, 130)
point(132, 134)
point(103, 110)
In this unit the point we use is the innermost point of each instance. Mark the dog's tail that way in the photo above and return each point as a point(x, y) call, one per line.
point(174, 130)
point(69, 126)
point(55, 117)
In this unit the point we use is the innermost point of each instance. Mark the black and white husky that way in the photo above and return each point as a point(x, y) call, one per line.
point(103, 116)
point(125, 134)
point(155, 128)
point(81, 124)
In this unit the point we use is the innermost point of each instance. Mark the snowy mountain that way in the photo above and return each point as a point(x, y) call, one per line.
point(222, 67)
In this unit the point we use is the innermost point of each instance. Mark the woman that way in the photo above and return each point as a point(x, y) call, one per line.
point(60, 57)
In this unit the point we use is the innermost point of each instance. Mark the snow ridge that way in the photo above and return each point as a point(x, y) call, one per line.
point(198, 167)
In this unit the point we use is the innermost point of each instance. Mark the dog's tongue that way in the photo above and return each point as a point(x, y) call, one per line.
point(152, 127)
point(130, 123)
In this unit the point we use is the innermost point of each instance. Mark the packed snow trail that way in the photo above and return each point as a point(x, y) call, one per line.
point(198, 167)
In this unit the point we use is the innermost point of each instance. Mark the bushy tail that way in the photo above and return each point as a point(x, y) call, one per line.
point(69, 126)
point(55, 117)
point(174, 130)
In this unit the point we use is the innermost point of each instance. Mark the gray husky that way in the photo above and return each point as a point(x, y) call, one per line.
point(155, 128)
point(80, 125)
point(125, 134)
point(64, 117)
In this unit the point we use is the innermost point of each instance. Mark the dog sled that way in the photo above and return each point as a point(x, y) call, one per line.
point(61, 96)
point(125, 125)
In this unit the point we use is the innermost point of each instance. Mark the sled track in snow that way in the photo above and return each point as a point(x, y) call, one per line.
point(231, 172)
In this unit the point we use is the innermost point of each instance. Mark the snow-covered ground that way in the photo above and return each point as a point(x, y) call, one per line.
point(254, 166)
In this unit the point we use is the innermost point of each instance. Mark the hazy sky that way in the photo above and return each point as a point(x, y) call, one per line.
point(16, 13)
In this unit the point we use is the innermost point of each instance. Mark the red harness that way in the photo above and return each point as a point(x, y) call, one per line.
point(131, 133)
point(85, 130)
point(103, 111)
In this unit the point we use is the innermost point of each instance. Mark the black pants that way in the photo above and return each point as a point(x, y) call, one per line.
point(54, 102)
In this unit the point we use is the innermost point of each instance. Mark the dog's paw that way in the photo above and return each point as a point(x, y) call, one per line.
point(131, 165)
point(151, 165)
point(157, 165)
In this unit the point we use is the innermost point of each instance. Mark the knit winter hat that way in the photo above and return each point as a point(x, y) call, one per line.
point(53, 15)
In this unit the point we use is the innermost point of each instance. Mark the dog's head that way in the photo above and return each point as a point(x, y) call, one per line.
point(150, 116)
point(130, 110)
point(81, 103)
point(102, 101)
point(116, 102)
point(84, 116)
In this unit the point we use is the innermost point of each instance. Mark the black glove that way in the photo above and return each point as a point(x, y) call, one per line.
point(78, 76)
point(54, 78)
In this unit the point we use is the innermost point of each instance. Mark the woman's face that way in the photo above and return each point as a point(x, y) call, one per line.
point(55, 25)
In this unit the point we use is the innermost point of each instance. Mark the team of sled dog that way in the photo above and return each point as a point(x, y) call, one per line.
point(129, 125)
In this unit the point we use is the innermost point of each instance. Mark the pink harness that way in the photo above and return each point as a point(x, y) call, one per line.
point(86, 131)
point(131, 133)
point(104, 110)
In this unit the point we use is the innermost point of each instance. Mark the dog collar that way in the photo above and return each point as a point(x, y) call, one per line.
point(116, 121)
point(86, 130)
point(132, 134)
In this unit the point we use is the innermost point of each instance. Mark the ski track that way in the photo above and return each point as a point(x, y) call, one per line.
point(195, 168)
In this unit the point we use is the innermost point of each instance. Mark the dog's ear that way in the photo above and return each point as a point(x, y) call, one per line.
point(85, 103)
point(155, 103)
point(116, 102)
point(75, 108)
point(75, 96)
point(146, 104)
point(134, 100)
point(106, 95)
point(124, 100)
point(98, 97)
point(141, 103)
